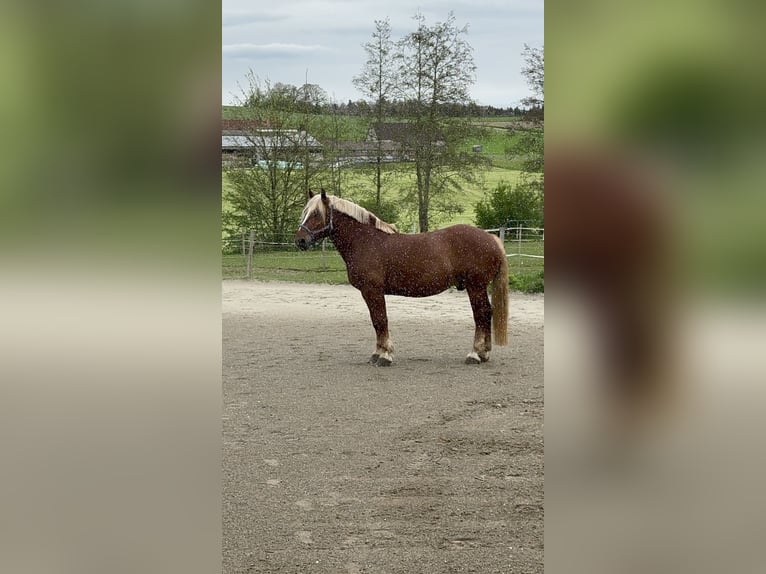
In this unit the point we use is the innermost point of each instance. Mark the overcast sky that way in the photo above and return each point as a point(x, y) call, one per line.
point(286, 40)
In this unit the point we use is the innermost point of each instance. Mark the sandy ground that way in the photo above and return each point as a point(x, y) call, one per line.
point(333, 465)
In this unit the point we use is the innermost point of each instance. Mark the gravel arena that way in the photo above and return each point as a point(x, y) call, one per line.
point(332, 465)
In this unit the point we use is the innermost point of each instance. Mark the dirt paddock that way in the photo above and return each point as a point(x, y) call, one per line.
point(333, 465)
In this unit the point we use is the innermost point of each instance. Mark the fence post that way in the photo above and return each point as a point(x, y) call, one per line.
point(502, 235)
point(519, 232)
point(250, 254)
point(244, 249)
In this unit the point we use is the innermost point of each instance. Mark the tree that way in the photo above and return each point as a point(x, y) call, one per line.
point(377, 81)
point(268, 190)
point(311, 98)
point(435, 69)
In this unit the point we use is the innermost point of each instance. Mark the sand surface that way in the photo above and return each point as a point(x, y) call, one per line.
point(333, 465)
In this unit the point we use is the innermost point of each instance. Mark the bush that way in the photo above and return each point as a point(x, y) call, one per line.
point(522, 202)
point(527, 282)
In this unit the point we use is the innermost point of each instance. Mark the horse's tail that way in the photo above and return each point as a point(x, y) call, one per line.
point(500, 299)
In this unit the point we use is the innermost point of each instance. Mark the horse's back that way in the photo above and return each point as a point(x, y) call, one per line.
point(458, 244)
point(424, 264)
point(471, 254)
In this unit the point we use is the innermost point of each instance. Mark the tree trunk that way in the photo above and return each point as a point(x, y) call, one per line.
point(423, 218)
point(424, 196)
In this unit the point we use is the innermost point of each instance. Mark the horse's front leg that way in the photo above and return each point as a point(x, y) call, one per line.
point(376, 303)
point(482, 316)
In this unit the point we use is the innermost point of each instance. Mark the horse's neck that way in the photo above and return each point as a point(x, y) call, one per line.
point(351, 236)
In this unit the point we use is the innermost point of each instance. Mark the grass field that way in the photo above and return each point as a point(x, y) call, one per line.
point(304, 267)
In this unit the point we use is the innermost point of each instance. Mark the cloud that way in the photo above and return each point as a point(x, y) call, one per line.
point(231, 19)
point(273, 50)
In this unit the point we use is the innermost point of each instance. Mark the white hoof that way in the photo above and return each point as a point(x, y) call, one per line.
point(472, 359)
point(384, 360)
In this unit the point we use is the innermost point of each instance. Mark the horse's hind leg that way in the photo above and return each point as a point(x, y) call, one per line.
point(482, 316)
point(376, 303)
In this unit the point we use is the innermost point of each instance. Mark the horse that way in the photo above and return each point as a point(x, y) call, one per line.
point(381, 261)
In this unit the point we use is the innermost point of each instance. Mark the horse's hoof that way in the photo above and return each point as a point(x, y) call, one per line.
point(374, 359)
point(484, 357)
point(383, 362)
point(472, 359)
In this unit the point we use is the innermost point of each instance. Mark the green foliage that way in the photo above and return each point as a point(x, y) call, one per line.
point(527, 146)
point(507, 202)
point(266, 199)
point(527, 282)
point(388, 211)
point(358, 186)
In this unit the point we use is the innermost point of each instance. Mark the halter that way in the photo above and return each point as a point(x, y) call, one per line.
point(313, 234)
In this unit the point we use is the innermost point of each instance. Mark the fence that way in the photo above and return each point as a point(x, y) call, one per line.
point(248, 256)
point(519, 239)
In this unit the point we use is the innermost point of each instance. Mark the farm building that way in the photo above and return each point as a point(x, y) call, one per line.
point(401, 136)
point(252, 141)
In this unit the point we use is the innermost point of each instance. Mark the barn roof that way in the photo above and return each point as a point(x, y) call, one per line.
point(268, 138)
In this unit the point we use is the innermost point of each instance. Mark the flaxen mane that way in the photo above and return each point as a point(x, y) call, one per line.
point(349, 208)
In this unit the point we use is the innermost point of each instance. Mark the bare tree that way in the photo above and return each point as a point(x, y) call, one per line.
point(377, 81)
point(534, 72)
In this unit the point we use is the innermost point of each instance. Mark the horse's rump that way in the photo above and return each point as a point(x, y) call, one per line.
point(474, 251)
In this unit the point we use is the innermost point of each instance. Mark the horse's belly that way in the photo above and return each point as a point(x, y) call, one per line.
point(418, 289)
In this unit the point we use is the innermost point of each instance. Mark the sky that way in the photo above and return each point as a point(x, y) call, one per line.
point(292, 41)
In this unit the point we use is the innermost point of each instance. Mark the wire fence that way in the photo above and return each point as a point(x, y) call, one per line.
point(248, 256)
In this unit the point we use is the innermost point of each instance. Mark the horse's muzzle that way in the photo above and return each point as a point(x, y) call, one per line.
point(301, 243)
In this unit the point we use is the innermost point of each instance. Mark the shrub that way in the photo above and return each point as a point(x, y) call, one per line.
point(522, 202)
point(527, 282)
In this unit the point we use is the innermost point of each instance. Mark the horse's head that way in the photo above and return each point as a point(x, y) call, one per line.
point(316, 221)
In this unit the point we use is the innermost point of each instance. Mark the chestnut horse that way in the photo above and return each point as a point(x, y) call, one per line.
point(380, 261)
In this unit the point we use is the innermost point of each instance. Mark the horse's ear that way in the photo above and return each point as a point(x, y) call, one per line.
point(324, 195)
point(311, 194)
